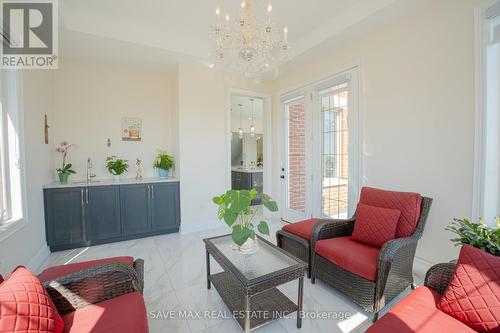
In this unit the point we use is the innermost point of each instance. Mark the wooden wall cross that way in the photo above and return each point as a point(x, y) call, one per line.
point(46, 131)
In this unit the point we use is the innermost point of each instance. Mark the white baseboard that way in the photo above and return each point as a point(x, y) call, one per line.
point(187, 228)
point(38, 259)
point(421, 266)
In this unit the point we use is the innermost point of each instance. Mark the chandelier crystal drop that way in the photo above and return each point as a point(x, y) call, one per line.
point(248, 45)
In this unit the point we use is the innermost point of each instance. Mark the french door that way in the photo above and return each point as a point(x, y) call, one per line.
point(321, 148)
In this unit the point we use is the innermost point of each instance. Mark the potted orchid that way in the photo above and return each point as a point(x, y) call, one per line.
point(66, 169)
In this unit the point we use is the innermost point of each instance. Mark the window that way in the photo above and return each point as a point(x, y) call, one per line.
point(487, 174)
point(334, 150)
point(11, 208)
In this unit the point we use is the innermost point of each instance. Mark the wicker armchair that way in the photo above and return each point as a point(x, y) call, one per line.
point(96, 284)
point(439, 276)
point(395, 264)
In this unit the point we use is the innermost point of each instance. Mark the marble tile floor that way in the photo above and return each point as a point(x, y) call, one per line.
point(175, 288)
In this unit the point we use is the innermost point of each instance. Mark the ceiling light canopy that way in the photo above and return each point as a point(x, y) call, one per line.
point(248, 45)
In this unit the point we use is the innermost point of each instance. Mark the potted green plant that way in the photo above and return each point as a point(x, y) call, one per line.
point(478, 235)
point(116, 166)
point(236, 211)
point(163, 163)
point(66, 169)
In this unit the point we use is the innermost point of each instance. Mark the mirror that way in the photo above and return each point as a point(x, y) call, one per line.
point(247, 142)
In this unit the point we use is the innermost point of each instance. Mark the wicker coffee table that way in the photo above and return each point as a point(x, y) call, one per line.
point(248, 283)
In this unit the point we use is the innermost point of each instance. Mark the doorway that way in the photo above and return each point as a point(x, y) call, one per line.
point(321, 167)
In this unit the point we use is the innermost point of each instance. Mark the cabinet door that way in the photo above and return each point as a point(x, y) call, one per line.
point(134, 209)
point(102, 213)
point(165, 209)
point(64, 217)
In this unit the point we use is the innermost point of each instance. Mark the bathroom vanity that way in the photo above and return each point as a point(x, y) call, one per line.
point(98, 212)
point(246, 179)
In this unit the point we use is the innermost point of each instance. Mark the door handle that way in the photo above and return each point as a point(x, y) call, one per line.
point(87, 195)
point(152, 191)
point(149, 191)
point(81, 195)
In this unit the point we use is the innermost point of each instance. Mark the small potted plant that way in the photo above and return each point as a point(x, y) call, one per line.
point(478, 235)
point(66, 169)
point(163, 163)
point(236, 211)
point(116, 166)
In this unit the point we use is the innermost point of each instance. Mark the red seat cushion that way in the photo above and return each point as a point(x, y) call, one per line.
point(355, 257)
point(25, 306)
point(417, 312)
point(375, 225)
point(126, 313)
point(59, 271)
point(473, 295)
point(302, 229)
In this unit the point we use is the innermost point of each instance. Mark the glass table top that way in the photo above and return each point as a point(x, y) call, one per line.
point(268, 259)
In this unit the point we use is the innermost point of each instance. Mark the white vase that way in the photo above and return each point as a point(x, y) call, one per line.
point(250, 246)
point(116, 178)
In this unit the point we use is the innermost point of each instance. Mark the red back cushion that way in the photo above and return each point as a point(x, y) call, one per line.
point(473, 295)
point(408, 203)
point(25, 305)
point(374, 225)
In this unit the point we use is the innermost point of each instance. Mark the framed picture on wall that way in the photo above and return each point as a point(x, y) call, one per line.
point(131, 129)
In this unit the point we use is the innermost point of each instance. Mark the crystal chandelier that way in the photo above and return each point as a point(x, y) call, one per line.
point(247, 45)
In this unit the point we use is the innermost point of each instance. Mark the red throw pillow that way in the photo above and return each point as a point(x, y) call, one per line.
point(473, 295)
point(25, 306)
point(374, 225)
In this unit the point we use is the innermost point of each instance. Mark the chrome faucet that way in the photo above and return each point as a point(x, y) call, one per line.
point(89, 170)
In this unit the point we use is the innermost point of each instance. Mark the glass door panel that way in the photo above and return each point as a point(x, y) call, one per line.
point(294, 172)
point(334, 151)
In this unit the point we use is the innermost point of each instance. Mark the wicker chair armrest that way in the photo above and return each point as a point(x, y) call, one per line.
point(439, 276)
point(390, 250)
point(93, 285)
point(329, 228)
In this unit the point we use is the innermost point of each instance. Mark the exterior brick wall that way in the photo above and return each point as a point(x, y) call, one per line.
point(296, 157)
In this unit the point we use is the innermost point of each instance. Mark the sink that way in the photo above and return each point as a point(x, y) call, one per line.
point(86, 183)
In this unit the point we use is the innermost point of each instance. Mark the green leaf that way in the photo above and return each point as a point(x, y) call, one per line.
point(240, 235)
point(253, 193)
point(237, 201)
point(218, 200)
point(263, 228)
point(230, 217)
point(269, 203)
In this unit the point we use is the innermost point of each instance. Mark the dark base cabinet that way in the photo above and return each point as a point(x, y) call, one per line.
point(84, 216)
point(246, 181)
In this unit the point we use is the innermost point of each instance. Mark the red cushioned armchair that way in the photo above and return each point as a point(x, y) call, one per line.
point(371, 276)
point(101, 296)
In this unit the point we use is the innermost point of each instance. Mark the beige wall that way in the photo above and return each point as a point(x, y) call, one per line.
point(204, 125)
point(27, 246)
point(417, 75)
point(91, 98)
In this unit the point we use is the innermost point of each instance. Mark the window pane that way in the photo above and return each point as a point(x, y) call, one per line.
point(335, 152)
point(296, 152)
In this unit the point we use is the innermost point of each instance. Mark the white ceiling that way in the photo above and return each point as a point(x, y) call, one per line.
point(170, 31)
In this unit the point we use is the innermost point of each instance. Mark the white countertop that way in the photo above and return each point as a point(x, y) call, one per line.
point(247, 170)
point(107, 182)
